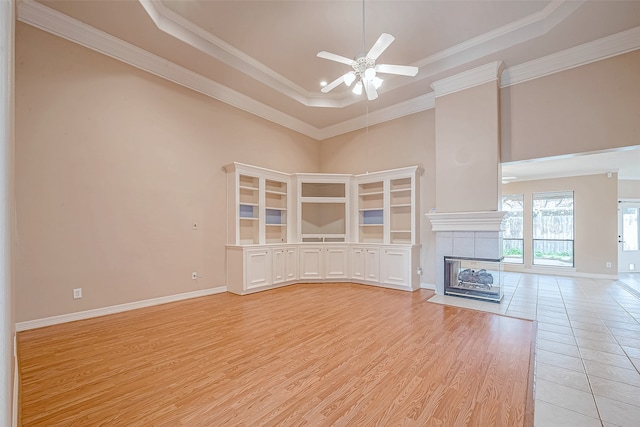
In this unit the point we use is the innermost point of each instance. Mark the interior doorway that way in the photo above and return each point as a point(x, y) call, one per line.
point(628, 236)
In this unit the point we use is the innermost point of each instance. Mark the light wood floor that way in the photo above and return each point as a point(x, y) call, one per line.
point(309, 354)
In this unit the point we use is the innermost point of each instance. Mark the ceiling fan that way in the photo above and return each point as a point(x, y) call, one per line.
point(365, 67)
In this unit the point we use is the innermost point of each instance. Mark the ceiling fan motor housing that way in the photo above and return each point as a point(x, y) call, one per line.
point(361, 64)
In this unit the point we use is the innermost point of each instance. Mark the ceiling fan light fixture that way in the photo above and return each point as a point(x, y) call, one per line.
point(369, 73)
point(377, 82)
point(357, 89)
point(349, 78)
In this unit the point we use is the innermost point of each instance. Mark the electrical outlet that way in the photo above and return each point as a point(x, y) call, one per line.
point(194, 275)
point(77, 293)
point(608, 264)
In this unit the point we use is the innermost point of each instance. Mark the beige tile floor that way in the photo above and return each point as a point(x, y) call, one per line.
point(587, 348)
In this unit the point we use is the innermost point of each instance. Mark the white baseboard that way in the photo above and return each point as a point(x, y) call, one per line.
point(427, 286)
point(555, 271)
point(81, 315)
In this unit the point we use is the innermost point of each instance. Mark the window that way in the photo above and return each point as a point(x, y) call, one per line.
point(630, 232)
point(553, 228)
point(513, 236)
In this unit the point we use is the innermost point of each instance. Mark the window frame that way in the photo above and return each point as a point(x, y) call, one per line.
point(534, 240)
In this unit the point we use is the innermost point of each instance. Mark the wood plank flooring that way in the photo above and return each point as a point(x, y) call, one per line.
point(310, 354)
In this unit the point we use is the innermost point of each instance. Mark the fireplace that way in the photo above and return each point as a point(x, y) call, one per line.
point(479, 278)
point(467, 237)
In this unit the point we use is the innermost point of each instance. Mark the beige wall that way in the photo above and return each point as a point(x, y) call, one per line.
point(595, 219)
point(467, 150)
point(113, 165)
point(589, 108)
point(402, 142)
point(629, 189)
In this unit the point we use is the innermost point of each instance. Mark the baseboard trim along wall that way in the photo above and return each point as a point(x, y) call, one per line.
point(81, 315)
point(427, 286)
point(551, 271)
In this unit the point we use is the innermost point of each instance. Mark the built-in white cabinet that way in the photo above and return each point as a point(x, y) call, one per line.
point(254, 268)
point(322, 207)
point(285, 264)
point(258, 205)
point(365, 263)
point(289, 228)
point(324, 262)
point(397, 266)
point(387, 211)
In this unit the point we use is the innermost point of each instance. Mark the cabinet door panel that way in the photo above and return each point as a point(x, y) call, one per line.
point(357, 264)
point(258, 268)
point(279, 266)
point(311, 263)
point(336, 263)
point(291, 264)
point(395, 267)
point(372, 264)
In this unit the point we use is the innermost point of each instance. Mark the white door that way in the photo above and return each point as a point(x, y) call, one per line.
point(628, 236)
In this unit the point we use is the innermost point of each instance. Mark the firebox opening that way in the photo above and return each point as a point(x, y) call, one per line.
point(479, 278)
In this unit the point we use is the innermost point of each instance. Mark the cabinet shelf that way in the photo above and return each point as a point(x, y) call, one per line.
point(258, 201)
point(323, 199)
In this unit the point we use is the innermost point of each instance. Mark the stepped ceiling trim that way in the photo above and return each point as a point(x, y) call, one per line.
point(54, 22)
point(467, 79)
point(606, 47)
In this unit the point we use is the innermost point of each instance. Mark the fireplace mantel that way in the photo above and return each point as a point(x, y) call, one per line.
point(466, 221)
point(466, 234)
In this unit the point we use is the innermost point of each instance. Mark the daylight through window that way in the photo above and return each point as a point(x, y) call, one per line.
point(513, 235)
point(553, 228)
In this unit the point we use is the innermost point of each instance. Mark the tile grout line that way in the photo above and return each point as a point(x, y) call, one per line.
point(593, 395)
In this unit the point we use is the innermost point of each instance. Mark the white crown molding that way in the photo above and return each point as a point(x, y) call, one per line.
point(411, 106)
point(467, 79)
point(466, 221)
point(606, 47)
point(88, 314)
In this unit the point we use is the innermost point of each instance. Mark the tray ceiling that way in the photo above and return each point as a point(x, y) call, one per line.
point(260, 56)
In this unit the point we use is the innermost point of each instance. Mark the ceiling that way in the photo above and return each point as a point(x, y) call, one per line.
point(260, 56)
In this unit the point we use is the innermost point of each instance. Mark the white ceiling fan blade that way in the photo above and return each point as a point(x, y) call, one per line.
point(334, 83)
point(402, 70)
point(333, 57)
point(380, 45)
point(370, 89)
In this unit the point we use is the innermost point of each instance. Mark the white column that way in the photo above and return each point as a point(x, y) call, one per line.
point(7, 13)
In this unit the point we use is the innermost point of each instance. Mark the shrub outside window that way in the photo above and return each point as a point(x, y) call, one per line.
point(513, 235)
point(553, 228)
